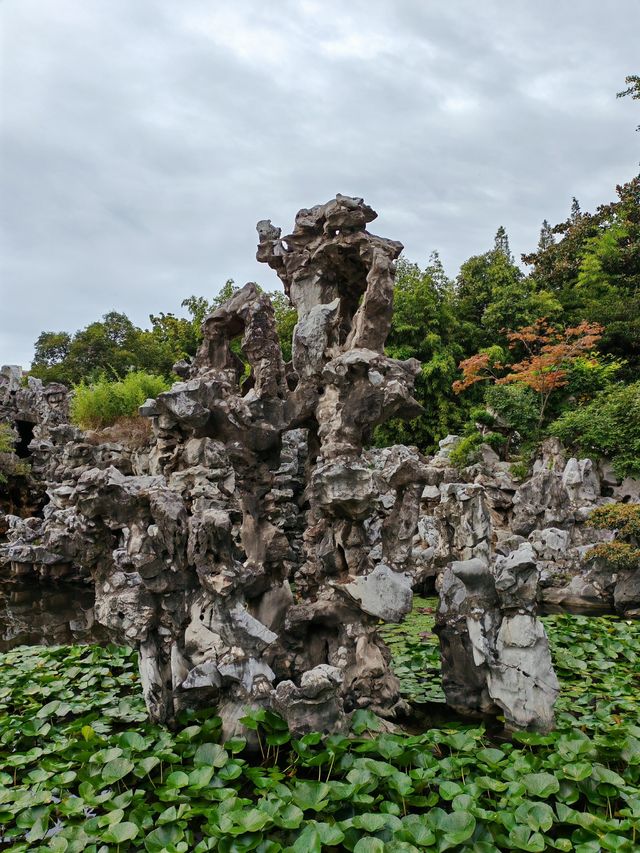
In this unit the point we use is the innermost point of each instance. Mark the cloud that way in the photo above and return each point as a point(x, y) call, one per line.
point(142, 141)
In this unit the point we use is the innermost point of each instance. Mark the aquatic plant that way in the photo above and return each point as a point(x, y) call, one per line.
point(83, 769)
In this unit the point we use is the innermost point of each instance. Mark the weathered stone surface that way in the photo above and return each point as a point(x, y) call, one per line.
point(550, 509)
point(495, 652)
point(251, 556)
point(382, 593)
point(252, 550)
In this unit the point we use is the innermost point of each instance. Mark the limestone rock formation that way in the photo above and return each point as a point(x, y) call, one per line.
point(31, 410)
point(498, 549)
point(252, 549)
point(253, 554)
point(495, 653)
point(548, 511)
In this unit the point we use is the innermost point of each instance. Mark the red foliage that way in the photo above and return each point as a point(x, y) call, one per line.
point(548, 353)
point(475, 369)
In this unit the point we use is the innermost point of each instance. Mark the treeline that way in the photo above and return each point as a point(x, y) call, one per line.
point(584, 276)
point(113, 346)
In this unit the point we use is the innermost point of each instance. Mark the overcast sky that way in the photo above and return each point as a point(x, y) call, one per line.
point(143, 139)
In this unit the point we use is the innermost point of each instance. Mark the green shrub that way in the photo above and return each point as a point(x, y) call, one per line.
point(6, 447)
point(618, 555)
point(10, 465)
point(481, 415)
point(607, 426)
point(103, 402)
point(517, 405)
point(6, 439)
point(519, 469)
point(495, 440)
point(466, 451)
point(624, 519)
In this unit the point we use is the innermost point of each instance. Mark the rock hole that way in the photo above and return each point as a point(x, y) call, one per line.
point(25, 435)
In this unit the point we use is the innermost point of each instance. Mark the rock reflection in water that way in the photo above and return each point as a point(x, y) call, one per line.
point(33, 613)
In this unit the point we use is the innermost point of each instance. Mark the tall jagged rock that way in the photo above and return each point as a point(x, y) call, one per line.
point(252, 550)
point(253, 556)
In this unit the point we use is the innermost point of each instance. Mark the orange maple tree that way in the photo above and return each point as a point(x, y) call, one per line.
point(548, 350)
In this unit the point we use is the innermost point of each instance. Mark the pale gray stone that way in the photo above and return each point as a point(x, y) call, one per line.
point(382, 593)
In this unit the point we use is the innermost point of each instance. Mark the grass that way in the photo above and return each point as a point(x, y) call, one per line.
point(83, 769)
point(102, 403)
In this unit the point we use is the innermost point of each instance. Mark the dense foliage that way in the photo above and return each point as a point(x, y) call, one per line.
point(114, 346)
point(424, 326)
point(623, 552)
point(10, 465)
point(584, 274)
point(594, 271)
point(607, 426)
point(83, 770)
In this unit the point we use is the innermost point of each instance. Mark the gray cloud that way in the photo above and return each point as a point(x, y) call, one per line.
point(142, 141)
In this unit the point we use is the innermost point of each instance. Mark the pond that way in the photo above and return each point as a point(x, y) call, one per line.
point(47, 614)
point(81, 768)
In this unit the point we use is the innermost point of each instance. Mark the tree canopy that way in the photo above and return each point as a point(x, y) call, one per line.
point(584, 274)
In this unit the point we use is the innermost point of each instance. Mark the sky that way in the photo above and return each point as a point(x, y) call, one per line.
point(141, 140)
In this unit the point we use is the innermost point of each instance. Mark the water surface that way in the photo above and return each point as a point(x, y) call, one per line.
point(39, 613)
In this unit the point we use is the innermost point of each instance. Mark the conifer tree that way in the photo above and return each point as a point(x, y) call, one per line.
point(633, 89)
point(547, 238)
point(576, 213)
point(501, 243)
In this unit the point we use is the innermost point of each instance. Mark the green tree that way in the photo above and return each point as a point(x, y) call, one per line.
point(608, 426)
point(547, 237)
point(177, 336)
point(424, 326)
point(593, 271)
point(493, 294)
point(501, 243)
point(108, 345)
point(576, 213)
point(51, 352)
point(632, 90)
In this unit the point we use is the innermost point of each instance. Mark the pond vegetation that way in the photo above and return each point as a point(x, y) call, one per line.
point(82, 769)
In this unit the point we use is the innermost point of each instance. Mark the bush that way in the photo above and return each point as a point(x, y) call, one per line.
point(608, 426)
point(6, 439)
point(102, 403)
point(618, 555)
point(623, 518)
point(623, 552)
point(519, 469)
point(516, 405)
point(10, 465)
point(6, 450)
point(465, 452)
point(495, 440)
